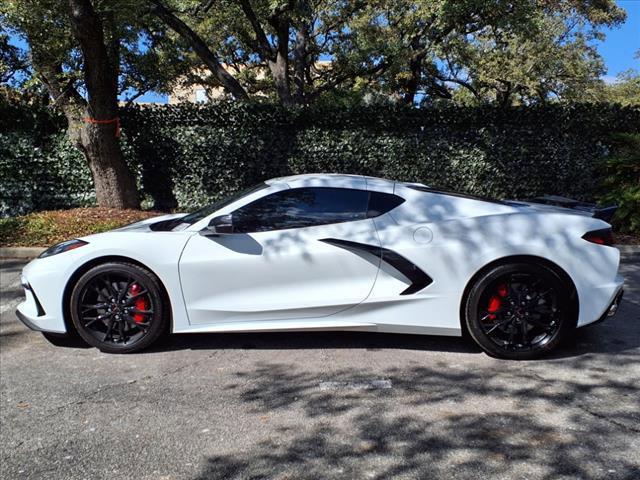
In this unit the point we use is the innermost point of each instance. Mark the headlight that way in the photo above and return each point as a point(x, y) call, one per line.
point(63, 247)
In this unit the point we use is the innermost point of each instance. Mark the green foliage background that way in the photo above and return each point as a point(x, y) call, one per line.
point(621, 182)
point(187, 155)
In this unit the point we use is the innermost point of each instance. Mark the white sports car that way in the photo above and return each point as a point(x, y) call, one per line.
point(335, 252)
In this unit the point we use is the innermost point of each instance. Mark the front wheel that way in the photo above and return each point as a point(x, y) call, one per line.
point(519, 311)
point(118, 307)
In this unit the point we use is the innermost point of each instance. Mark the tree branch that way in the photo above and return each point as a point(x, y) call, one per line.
point(462, 83)
point(205, 6)
point(64, 95)
point(227, 80)
point(377, 69)
point(263, 46)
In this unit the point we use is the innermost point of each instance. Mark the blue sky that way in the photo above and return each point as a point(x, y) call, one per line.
point(621, 43)
point(618, 49)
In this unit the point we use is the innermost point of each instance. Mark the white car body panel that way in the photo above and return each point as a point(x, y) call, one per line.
point(293, 274)
point(290, 280)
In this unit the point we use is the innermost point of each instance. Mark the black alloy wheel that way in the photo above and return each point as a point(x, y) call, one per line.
point(519, 311)
point(118, 307)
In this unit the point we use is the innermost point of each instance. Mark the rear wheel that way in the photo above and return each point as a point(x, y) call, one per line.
point(118, 307)
point(519, 311)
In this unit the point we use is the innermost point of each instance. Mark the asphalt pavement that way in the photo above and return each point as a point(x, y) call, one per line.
point(320, 405)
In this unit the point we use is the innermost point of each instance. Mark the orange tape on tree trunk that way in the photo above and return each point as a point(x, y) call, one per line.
point(95, 121)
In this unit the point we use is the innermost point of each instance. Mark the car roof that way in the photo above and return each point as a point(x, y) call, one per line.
point(337, 180)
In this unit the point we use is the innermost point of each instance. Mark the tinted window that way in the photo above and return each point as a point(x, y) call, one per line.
point(301, 207)
point(209, 209)
point(380, 203)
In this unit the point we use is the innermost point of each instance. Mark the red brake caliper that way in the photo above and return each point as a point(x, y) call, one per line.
point(140, 303)
point(496, 301)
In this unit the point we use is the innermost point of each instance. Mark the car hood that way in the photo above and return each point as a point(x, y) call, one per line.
point(145, 225)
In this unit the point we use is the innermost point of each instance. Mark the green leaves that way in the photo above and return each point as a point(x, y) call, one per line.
point(621, 184)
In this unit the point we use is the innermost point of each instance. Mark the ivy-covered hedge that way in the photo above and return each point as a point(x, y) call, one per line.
point(188, 155)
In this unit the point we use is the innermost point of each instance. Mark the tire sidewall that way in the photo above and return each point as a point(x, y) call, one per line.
point(472, 303)
point(141, 275)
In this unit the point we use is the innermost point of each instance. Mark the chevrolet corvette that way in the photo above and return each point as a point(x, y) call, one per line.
point(335, 252)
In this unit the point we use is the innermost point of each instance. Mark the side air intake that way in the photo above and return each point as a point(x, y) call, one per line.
point(413, 273)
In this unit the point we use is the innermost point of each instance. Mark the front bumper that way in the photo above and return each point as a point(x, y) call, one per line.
point(43, 281)
point(28, 322)
point(33, 315)
point(42, 323)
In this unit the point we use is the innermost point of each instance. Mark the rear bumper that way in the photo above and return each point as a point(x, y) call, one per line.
point(612, 307)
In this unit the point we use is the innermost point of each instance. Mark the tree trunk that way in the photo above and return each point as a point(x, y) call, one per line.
point(280, 72)
point(412, 84)
point(415, 69)
point(280, 67)
point(95, 130)
point(114, 184)
point(300, 59)
point(503, 95)
point(276, 59)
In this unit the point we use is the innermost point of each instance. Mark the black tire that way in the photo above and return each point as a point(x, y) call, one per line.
point(116, 322)
point(519, 311)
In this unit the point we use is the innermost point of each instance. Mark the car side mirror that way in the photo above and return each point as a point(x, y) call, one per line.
point(221, 225)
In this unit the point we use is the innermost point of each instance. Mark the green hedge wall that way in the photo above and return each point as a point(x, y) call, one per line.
point(187, 155)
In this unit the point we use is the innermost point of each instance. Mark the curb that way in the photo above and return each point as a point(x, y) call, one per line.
point(20, 252)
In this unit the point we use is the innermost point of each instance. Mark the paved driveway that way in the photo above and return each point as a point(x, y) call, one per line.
point(320, 405)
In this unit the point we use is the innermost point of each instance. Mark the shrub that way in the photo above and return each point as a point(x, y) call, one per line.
point(621, 184)
point(194, 154)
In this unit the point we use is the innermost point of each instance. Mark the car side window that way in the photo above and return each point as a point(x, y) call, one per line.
point(381, 203)
point(301, 207)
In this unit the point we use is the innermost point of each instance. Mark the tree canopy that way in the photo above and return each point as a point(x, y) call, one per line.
point(299, 51)
point(420, 50)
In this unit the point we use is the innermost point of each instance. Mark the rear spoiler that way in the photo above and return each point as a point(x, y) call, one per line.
point(604, 213)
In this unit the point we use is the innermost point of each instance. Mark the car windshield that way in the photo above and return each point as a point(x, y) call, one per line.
point(198, 215)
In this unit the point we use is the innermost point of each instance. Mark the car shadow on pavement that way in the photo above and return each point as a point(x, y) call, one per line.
point(613, 336)
point(313, 340)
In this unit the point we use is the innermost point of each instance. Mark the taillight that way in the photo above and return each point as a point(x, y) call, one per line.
point(601, 237)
